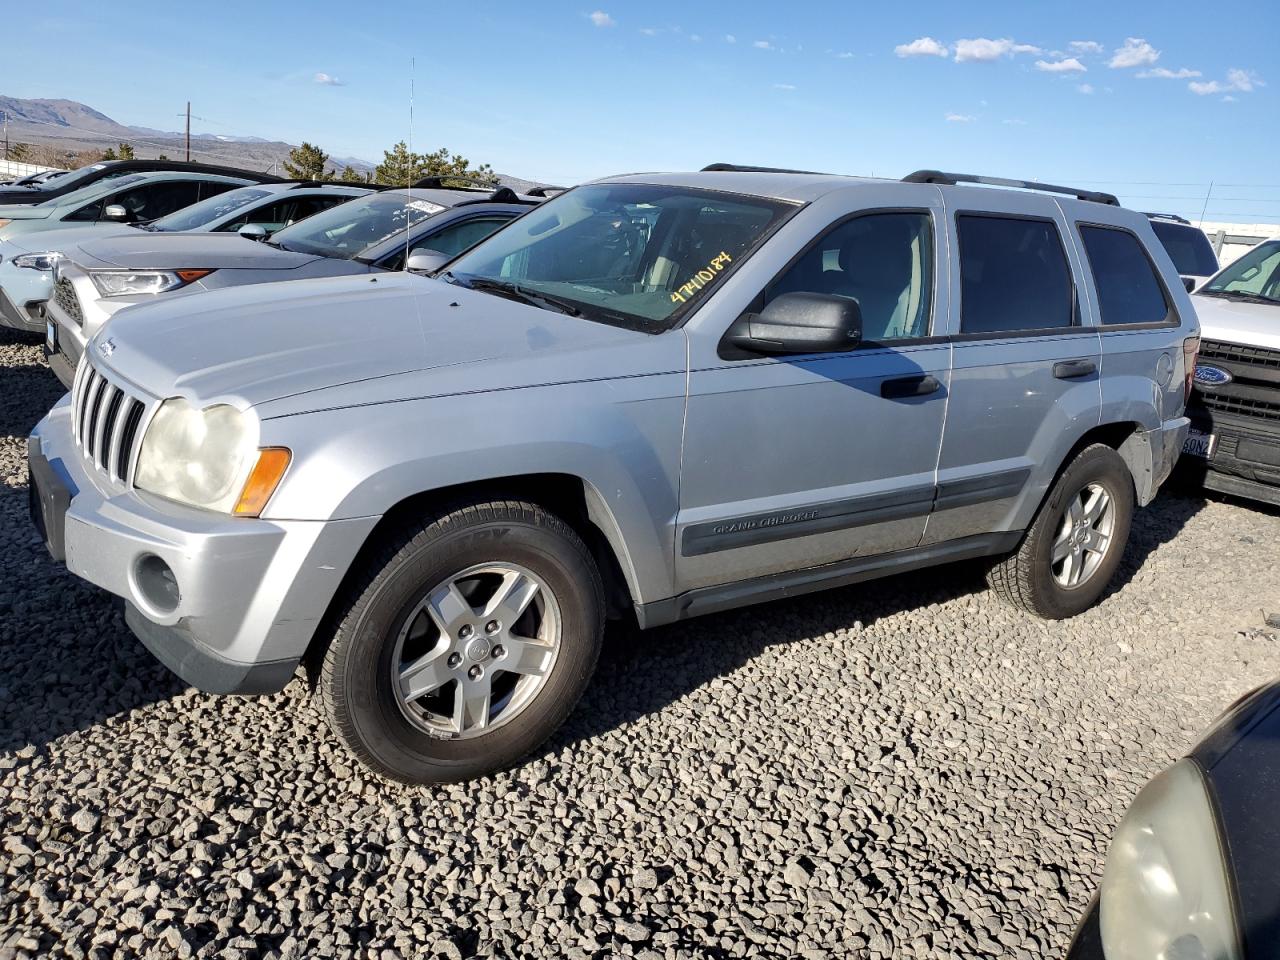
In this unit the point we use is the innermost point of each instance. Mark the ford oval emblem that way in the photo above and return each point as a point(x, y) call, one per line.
point(1207, 376)
point(107, 347)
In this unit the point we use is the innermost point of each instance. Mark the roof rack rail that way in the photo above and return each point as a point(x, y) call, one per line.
point(500, 195)
point(1167, 216)
point(439, 181)
point(544, 191)
point(300, 184)
point(744, 168)
point(951, 179)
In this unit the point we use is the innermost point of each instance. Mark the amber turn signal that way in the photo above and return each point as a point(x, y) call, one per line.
point(263, 480)
point(191, 276)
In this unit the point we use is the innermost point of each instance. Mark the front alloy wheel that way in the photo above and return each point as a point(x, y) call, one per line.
point(465, 644)
point(1083, 537)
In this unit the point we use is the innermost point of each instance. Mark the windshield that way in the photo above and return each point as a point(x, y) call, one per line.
point(1256, 274)
point(206, 211)
point(93, 191)
point(1189, 249)
point(635, 255)
point(343, 231)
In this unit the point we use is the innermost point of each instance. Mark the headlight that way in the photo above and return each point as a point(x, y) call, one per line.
point(36, 261)
point(120, 283)
point(208, 458)
point(1165, 894)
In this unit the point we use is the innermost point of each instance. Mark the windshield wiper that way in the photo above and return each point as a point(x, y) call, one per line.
point(507, 288)
point(1240, 295)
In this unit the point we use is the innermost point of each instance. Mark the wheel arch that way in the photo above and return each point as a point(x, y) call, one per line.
point(572, 498)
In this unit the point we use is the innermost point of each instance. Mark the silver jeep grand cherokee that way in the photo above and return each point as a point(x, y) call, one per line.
point(655, 396)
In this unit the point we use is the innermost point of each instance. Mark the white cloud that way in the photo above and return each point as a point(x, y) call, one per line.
point(784, 86)
point(649, 31)
point(1164, 73)
point(1085, 46)
point(923, 47)
point(846, 55)
point(1085, 88)
point(696, 38)
point(327, 80)
point(1243, 81)
point(1136, 52)
point(1228, 99)
point(983, 50)
point(1014, 122)
point(762, 45)
point(960, 118)
point(1069, 65)
point(602, 19)
point(730, 38)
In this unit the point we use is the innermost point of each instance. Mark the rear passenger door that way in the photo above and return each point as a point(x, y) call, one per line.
point(1025, 364)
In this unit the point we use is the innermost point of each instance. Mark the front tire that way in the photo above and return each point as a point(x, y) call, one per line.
point(1074, 545)
point(466, 644)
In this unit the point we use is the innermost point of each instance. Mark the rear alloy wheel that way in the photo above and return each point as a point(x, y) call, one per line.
point(466, 644)
point(1074, 545)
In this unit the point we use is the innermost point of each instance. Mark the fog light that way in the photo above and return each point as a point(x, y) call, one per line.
point(156, 582)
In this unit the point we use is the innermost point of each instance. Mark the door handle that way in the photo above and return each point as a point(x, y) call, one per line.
point(903, 387)
point(1070, 369)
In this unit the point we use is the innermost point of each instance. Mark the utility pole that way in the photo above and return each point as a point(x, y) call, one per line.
point(188, 131)
point(6, 135)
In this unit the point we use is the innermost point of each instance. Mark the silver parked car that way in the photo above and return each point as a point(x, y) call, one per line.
point(97, 278)
point(258, 211)
point(654, 397)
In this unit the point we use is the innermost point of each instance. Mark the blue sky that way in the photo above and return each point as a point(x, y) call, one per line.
point(1153, 100)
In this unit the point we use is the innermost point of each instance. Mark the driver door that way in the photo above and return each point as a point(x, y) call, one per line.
point(796, 462)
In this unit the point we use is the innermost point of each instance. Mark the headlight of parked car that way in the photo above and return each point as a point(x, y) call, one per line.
point(209, 458)
point(1165, 891)
point(36, 261)
point(120, 283)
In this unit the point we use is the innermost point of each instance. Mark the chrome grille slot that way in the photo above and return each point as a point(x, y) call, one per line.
point(106, 418)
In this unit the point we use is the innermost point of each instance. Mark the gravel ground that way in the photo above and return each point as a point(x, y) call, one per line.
point(901, 769)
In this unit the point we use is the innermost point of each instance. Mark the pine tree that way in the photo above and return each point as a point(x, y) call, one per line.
point(307, 162)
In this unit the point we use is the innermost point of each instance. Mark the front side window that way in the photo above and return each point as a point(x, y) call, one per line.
point(1128, 289)
point(1189, 249)
point(210, 209)
point(87, 202)
point(884, 261)
point(154, 200)
point(1013, 275)
point(349, 228)
point(636, 255)
point(1256, 275)
point(450, 240)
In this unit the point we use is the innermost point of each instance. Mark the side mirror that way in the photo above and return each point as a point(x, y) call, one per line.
point(800, 323)
point(426, 261)
point(253, 231)
point(116, 212)
point(1189, 283)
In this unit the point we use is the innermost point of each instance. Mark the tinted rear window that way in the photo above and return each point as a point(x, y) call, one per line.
point(1188, 248)
point(1128, 289)
point(1013, 275)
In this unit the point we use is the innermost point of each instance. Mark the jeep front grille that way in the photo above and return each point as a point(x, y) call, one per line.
point(105, 421)
point(64, 295)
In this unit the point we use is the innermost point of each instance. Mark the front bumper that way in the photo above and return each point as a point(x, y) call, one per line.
point(69, 345)
point(16, 318)
point(249, 593)
point(1246, 456)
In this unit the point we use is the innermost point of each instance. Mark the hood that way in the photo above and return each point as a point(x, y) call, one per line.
point(262, 342)
point(43, 241)
point(1236, 321)
point(11, 212)
point(176, 251)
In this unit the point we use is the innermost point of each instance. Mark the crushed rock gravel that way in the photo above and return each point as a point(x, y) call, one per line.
point(901, 769)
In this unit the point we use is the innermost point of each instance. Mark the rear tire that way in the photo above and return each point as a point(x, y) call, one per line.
point(465, 645)
point(1073, 547)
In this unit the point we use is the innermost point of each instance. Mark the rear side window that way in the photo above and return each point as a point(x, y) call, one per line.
point(1013, 275)
point(1189, 249)
point(1128, 289)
